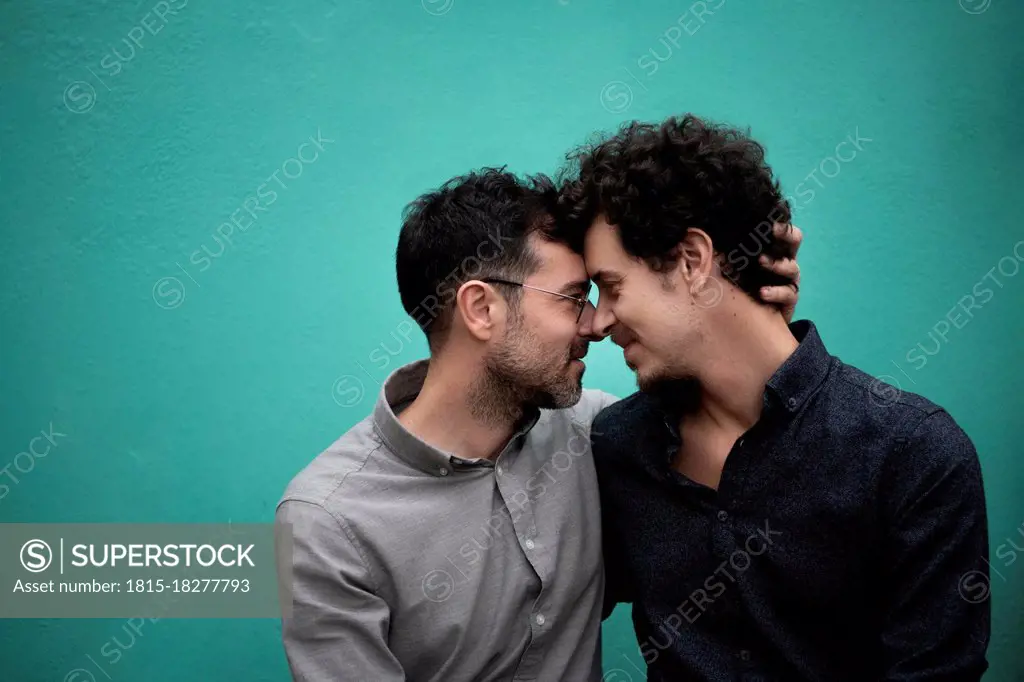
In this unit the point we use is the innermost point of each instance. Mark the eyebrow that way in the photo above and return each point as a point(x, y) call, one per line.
point(603, 275)
point(574, 287)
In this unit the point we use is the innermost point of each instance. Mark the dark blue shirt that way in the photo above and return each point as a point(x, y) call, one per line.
point(847, 539)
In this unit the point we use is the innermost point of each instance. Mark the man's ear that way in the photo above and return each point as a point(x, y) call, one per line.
point(481, 309)
point(695, 255)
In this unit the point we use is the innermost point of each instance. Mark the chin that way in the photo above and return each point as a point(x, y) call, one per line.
point(652, 379)
point(572, 394)
point(556, 397)
point(648, 383)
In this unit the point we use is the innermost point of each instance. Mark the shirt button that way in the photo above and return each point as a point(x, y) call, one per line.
point(498, 469)
point(540, 619)
point(529, 544)
point(791, 402)
point(443, 471)
point(723, 515)
point(744, 655)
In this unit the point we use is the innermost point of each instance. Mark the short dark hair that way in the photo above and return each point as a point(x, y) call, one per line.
point(474, 226)
point(654, 181)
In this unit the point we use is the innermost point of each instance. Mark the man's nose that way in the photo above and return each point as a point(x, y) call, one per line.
point(596, 324)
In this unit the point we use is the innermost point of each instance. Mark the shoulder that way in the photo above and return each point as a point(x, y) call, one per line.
point(321, 481)
point(619, 422)
point(884, 405)
point(885, 392)
point(936, 447)
point(928, 444)
point(933, 472)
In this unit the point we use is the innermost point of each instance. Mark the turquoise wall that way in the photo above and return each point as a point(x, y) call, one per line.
point(191, 387)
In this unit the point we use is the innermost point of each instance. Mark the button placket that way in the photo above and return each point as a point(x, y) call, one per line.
point(517, 501)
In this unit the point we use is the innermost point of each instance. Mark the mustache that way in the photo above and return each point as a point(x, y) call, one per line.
point(579, 351)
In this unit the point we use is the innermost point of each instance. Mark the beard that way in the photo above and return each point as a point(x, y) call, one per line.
point(668, 368)
point(660, 380)
point(522, 373)
point(677, 389)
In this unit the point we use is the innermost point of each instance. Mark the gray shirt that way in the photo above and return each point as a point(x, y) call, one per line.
point(412, 564)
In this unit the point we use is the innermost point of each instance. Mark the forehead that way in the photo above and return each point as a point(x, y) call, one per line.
point(558, 263)
point(602, 249)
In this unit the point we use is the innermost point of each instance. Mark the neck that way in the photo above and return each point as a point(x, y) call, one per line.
point(455, 413)
point(732, 392)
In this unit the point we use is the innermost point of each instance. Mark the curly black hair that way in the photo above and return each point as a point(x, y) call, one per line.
point(474, 226)
point(654, 181)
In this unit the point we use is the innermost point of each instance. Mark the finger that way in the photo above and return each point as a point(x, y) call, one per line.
point(787, 267)
point(782, 296)
point(789, 234)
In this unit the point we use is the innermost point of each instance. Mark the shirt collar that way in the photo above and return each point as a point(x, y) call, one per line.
point(398, 391)
point(799, 377)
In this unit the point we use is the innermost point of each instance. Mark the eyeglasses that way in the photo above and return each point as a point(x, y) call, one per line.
point(581, 301)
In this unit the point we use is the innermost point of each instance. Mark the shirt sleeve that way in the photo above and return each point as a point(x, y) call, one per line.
point(338, 627)
point(937, 612)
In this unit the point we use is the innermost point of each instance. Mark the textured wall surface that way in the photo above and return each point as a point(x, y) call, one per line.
point(199, 204)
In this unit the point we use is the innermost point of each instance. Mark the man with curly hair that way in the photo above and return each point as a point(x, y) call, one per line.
point(769, 513)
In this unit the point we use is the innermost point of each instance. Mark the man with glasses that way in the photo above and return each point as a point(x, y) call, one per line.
point(455, 533)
